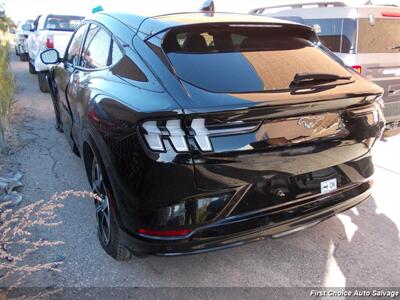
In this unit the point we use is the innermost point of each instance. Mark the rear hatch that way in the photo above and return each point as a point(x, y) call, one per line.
point(264, 99)
point(379, 56)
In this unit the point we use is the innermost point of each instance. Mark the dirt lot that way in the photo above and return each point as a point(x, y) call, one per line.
point(358, 248)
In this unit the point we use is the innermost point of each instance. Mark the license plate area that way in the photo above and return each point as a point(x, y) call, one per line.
point(328, 186)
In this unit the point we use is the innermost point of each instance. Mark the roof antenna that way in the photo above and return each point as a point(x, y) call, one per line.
point(208, 7)
point(369, 2)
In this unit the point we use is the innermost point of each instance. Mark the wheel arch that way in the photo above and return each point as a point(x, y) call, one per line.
point(90, 147)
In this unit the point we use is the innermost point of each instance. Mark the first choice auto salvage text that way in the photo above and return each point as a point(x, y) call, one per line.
point(355, 293)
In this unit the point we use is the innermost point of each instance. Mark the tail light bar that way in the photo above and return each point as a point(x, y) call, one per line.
point(155, 132)
point(50, 42)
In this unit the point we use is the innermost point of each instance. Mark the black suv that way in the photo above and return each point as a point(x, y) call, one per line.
point(204, 131)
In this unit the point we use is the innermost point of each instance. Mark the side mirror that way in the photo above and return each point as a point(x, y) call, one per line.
point(50, 57)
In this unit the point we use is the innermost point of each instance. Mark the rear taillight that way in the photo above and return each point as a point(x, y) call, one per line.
point(357, 68)
point(50, 42)
point(164, 233)
point(156, 132)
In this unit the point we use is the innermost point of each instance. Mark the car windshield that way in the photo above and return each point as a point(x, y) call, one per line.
point(382, 36)
point(62, 23)
point(239, 59)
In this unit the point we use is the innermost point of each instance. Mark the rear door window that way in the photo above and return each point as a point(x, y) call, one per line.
point(245, 59)
point(382, 37)
point(96, 50)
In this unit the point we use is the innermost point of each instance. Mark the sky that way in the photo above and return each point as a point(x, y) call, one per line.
point(21, 10)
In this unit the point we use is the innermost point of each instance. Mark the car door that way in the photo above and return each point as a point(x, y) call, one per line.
point(86, 78)
point(63, 76)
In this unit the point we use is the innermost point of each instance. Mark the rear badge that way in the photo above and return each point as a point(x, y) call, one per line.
point(328, 186)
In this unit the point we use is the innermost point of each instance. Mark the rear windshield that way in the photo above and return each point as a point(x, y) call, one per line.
point(381, 37)
point(245, 59)
point(339, 34)
point(62, 23)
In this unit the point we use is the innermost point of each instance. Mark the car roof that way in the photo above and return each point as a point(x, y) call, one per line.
point(149, 25)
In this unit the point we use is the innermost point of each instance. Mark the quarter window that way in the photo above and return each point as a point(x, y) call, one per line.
point(73, 51)
point(96, 48)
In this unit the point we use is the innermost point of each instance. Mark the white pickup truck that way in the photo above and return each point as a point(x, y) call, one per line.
point(49, 31)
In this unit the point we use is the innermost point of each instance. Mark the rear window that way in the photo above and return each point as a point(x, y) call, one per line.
point(339, 35)
point(62, 23)
point(245, 59)
point(382, 37)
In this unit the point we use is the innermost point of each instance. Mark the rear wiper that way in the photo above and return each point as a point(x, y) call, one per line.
point(397, 47)
point(301, 78)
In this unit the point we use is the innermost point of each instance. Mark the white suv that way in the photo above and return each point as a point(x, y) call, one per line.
point(49, 31)
point(364, 37)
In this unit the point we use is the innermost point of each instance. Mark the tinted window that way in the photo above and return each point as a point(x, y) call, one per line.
point(338, 35)
point(96, 48)
point(62, 23)
point(73, 52)
point(380, 38)
point(245, 59)
point(116, 53)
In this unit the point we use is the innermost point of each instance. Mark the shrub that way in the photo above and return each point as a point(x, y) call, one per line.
point(6, 91)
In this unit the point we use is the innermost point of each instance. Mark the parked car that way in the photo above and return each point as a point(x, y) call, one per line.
point(206, 131)
point(365, 37)
point(20, 40)
point(49, 31)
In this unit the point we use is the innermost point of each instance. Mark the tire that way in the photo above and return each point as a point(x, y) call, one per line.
point(43, 83)
point(108, 230)
point(16, 51)
point(23, 56)
point(32, 69)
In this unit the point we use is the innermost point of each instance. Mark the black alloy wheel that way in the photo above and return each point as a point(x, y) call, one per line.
point(102, 203)
point(108, 230)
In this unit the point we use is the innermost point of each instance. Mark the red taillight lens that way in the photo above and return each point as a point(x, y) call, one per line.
point(391, 14)
point(357, 69)
point(165, 233)
point(50, 42)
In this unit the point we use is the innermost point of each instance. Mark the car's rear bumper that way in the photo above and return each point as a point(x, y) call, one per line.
point(247, 228)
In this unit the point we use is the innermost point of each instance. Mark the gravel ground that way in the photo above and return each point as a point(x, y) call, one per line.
point(358, 248)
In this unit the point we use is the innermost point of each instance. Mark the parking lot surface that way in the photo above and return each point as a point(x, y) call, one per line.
point(358, 248)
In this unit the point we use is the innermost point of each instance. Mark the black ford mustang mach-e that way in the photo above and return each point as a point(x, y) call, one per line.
point(205, 131)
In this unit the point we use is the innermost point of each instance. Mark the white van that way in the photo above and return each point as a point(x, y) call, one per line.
point(365, 37)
